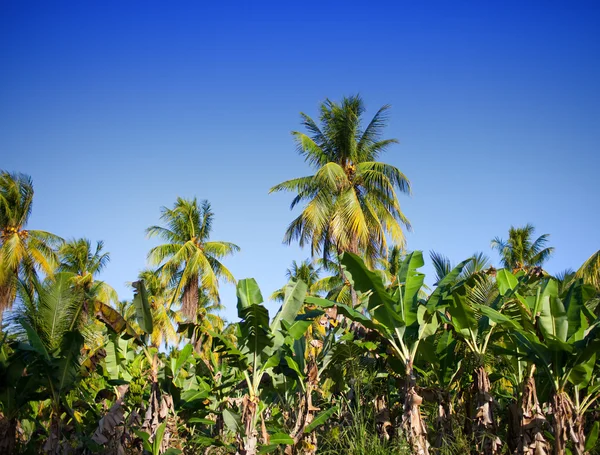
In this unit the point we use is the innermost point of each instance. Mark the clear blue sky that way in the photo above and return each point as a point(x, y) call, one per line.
point(117, 108)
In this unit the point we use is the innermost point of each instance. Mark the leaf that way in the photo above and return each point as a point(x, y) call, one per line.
point(320, 419)
point(427, 328)
point(248, 293)
point(145, 437)
point(575, 301)
point(462, 315)
point(112, 319)
point(553, 318)
point(184, 355)
point(202, 421)
point(295, 292)
point(233, 422)
point(294, 366)
point(112, 359)
point(349, 312)
point(254, 328)
point(581, 373)
point(506, 281)
point(412, 282)
point(497, 317)
point(158, 437)
point(592, 437)
point(298, 329)
point(68, 365)
point(35, 340)
point(143, 311)
point(281, 438)
point(201, 392)
point(364, 280)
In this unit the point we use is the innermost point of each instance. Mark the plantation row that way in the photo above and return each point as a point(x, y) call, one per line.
point(361, 358)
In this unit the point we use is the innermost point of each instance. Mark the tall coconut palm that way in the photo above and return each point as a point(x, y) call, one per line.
point(520, 251)
point(77, 257)
point(189, 259)
point(23, 252)
point(350, 202)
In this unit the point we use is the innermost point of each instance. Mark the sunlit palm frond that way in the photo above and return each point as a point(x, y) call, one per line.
point(590, 270)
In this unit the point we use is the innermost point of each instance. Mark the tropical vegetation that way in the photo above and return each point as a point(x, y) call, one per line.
point(361, 358)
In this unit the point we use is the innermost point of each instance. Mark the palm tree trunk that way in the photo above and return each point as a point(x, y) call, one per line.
point(412, 421)
point(7, 296)
point(189, 306)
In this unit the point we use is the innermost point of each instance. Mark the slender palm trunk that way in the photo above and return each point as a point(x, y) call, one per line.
point(189, 306)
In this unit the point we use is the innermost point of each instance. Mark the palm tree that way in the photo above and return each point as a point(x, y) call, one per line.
point(23, 252)
point(520, 251)
point(47, 320)
point(79, 259)
point(305, 271)
point(351, 200)
point(189, 259)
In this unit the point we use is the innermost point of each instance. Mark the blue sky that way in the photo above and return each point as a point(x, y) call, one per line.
point(117, 108)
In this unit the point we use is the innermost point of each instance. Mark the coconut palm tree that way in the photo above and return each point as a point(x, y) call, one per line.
point(79, 259)
point(47, 321)
point(305, 271)
point(23, 252)
point(189, 260)
point(350, 202)
point(520, 251)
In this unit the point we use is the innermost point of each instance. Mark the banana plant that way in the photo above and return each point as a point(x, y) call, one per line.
point(255, 354)
point(564, 349)
point(402, 320)
point(527, 422)
point(159, 405)
point(473, 326)
point(304, 368)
